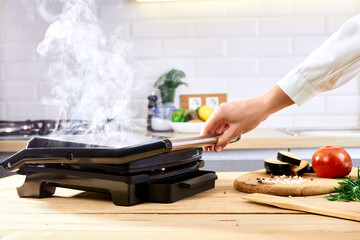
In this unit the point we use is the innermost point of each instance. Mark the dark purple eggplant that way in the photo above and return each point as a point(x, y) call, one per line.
point(276, 167)
point(301, 169)
point(289, 157)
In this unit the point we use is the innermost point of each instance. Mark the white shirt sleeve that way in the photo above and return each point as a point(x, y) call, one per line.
point(330, 66)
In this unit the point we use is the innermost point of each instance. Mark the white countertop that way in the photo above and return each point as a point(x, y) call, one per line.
point(260, 138)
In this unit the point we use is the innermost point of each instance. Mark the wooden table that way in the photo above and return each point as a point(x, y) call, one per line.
point(219, 213)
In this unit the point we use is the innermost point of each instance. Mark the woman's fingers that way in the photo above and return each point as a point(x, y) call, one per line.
point(219, 129)
point(225, 138)
point(212, 123)
point(217, 124)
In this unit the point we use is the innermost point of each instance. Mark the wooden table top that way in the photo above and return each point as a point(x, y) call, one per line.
point(219, 213)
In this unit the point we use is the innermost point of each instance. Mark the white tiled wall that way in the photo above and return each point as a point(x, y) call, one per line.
point(238, 47)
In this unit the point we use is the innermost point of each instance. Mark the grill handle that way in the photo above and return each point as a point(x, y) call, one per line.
point(196, 142)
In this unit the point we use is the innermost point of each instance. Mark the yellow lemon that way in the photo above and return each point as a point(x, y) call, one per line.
point(204, 112)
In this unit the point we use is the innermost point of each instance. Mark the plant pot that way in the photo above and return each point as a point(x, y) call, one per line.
point(167, 95)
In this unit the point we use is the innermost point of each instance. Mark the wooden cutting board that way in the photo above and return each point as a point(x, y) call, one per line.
point(313, 184)
point(307, 204)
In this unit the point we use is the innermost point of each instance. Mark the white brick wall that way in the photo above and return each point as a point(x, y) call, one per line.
point(1, 72)
point(2, 110)
point(231, 67)
point(326, 121)
point(16, 33)
point(336, 105)
point(161, 28)
point(18, 91)
point(21, 110)
point(154, 68)
point(278, 66)
point(14, 12)
point(13, 53)
point(114, 12)
point(305, 45)
point(249, 87)
point(238, 47)
point(25, 71)
point(147, 49)
point(276, 121)
point(293, 26)
point(257, 47)
point(258, 8)
point(223, 28)
point(194, 48)
point(194, 9)
point(315, 107)
point(333, 23)
point(324, 7)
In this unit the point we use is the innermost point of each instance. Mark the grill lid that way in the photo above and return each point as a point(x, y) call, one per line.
point(49, 151)
point(45, 151)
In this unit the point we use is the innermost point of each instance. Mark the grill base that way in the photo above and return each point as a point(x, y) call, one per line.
point(42, 182)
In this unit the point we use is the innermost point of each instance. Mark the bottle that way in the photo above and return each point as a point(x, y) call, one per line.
point(151, 105)
point(161, 120)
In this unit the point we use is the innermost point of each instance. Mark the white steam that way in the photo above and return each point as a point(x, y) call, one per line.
point(91, 72)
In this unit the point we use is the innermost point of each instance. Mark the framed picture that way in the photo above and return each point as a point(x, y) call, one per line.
point(193, 101)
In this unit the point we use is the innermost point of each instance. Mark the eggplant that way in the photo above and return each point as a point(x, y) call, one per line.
point(289, 157)
point(301, 169)
point(276, 167)
point(310, 169)
point(192, 115)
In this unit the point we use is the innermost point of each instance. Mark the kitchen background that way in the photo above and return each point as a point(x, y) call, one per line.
point(239, 47)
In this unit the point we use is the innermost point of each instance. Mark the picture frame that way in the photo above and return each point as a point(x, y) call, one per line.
point(193, 101)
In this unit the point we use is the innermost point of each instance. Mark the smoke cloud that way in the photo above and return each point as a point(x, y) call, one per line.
point(91, 72)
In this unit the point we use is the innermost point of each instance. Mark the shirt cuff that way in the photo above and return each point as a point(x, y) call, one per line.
point(297, 88)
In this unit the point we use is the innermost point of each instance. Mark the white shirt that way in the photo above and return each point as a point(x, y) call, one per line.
point(330, 66)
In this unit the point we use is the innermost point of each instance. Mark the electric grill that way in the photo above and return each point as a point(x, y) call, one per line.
point(165, 170)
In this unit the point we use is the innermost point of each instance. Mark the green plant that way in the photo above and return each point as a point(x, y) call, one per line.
point(168, 82)
point(350, 190)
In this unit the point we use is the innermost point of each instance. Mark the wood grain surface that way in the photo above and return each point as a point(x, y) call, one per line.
point(220, 213)
point(222, 199)
point(292, 203)
point(314, 185)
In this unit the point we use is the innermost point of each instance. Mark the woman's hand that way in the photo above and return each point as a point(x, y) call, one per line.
point(236, 118)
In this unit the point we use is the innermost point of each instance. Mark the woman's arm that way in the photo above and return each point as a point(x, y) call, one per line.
point(236, 118)
point(334, 63)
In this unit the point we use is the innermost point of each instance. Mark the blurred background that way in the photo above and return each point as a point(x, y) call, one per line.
point(238, 47)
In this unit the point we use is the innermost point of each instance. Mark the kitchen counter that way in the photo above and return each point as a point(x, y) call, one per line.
point(219, 213)
point(260, 138)
point(271, 138)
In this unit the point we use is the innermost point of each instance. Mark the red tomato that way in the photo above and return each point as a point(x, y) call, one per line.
point(331, 162)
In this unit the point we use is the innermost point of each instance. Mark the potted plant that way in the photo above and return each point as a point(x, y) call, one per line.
point(167, 84)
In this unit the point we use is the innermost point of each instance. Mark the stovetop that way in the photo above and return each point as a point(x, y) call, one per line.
point(21, 130)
